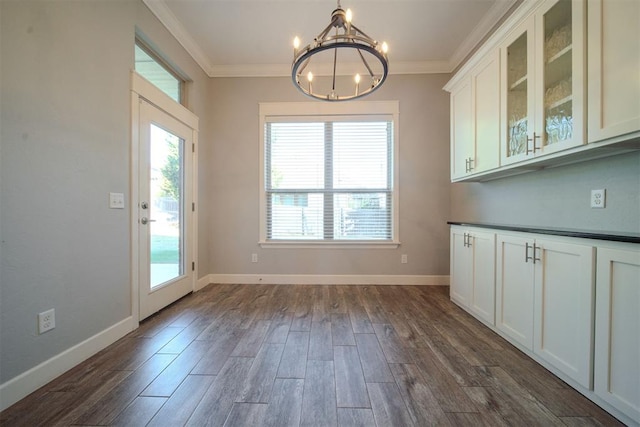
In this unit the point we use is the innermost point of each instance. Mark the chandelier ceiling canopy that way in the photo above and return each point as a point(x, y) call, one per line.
point(358, 64)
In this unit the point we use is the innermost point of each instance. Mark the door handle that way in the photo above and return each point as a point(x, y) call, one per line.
point(144, 220)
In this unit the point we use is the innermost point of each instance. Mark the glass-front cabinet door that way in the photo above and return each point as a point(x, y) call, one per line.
point(543, 83)
point(517, 104)
point(560, 65)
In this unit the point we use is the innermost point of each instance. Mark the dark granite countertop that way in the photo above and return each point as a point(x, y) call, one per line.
point(615, 236)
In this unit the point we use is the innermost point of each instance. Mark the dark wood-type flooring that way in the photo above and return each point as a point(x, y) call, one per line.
point(281, 355)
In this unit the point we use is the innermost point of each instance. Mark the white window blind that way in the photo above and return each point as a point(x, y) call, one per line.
point(329, 178)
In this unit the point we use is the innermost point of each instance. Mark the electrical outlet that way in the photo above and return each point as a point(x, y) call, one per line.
point(598, 198)
point(46, 321)
point(254, 257)
point(403, 258)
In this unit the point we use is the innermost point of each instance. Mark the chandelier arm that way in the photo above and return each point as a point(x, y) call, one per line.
point(364, 61)
point(362, 33)
point(335, 60)
point(324, 32)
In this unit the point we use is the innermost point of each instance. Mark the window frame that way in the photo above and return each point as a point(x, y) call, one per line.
point(305, 111)
point(160, 61)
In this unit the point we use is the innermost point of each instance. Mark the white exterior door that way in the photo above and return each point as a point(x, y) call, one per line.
point(164, 209)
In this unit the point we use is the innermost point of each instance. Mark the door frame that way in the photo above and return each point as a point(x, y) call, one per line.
point(143, 89)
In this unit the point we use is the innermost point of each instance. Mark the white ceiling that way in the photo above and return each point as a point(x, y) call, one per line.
point(254, 37)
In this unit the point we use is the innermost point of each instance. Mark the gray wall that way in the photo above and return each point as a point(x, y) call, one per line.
point(65, 141)
point(424, 183)
point(558, 197)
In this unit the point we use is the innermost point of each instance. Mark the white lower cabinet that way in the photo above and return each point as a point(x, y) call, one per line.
point(617, 334)
point(514, 288)
point(473, 271)
point(572, 304)
point(544, 290)
point(563, 301)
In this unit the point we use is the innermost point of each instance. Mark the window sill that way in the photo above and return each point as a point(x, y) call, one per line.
point(307, 244)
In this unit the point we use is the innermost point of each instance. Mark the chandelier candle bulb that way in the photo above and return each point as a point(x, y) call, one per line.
point(296, 45)
point(357, 79)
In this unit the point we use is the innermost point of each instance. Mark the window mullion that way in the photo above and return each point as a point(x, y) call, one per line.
point(328, 181)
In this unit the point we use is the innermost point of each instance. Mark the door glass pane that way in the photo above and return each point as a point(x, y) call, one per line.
point(558, 105)
point(517, 115)
point(165, 206)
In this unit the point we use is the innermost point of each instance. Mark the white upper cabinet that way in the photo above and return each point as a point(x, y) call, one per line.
point(614, 68)
point(543, 64)
point(485, 82)
point(462, 147)
point(475, 120)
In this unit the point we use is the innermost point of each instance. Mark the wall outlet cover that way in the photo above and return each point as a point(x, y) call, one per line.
point(598, 199)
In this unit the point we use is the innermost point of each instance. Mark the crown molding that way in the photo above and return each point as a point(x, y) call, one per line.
point(284, 70)
point(497, 11)
point(160, 9)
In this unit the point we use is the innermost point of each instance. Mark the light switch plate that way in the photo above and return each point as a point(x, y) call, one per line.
point(116, 200)
point(598, 199)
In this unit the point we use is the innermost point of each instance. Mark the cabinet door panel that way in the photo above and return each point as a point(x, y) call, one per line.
point(564, 288)
point(461, 131)
point(484, 285)
point(486, 114)
point(617, 335)
point(460, 287)
point(613, 64)
point(514, 290)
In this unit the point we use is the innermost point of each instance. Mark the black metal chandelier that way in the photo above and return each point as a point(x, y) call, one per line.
point(360, 55)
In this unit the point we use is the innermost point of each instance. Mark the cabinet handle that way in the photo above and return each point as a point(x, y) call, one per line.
point(533, 140)
point(526, 252)
point(465, 240)
point(468, 165)
point(534, 253)
point(468, 240)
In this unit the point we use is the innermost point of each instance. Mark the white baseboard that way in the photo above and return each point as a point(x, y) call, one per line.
point(323, 279)
point(31, 380)
point(202, 282)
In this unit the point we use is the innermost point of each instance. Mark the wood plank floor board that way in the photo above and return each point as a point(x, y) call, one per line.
point(168, 381)
point(251, 341)
point(117, 399)
point(351, 389)
point(140, 411)
point(285, 406)
point(312, 355)
point(387, 405)
point(246, 414)
point(303, 312)
point(320, 341)
point(341, 331)
point(279, 328)
point(355, 417)
point(374, 365)
point(448, 392)
point(216, 403)
point(360, 322)
point(294, 356)
point(395, 350)
point(371, 303)
point(528, 407)
point(259, 381)
point(421, 403)
point(218, 351)
point(319, 395)
point(179, 407)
